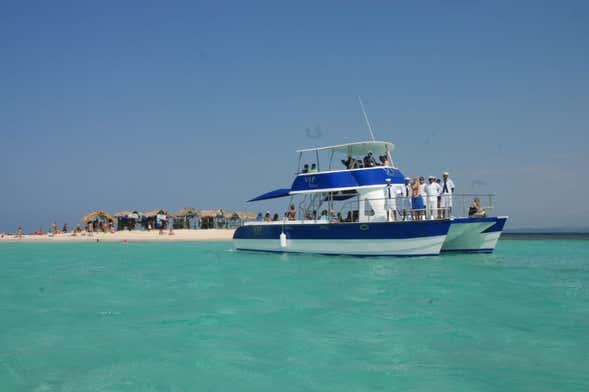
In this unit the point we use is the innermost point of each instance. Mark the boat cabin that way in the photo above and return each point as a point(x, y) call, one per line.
point(346, 179)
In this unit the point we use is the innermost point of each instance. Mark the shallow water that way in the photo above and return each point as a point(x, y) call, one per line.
point(199, 316)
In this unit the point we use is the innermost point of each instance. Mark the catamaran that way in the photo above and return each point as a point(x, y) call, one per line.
point(350, 211)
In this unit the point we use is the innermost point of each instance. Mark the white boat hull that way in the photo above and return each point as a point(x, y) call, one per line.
point(478, 235)
point(388, 247)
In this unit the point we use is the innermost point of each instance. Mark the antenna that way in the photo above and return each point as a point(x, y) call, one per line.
point(366, 118)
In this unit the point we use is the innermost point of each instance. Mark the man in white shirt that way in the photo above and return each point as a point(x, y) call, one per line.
point(433, 190)
point(447, 192)
point(390, 194)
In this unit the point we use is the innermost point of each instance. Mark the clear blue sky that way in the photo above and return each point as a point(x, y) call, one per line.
point(115, 105)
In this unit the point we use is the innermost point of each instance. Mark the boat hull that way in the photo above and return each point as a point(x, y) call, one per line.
point(474, 235)
point(358, 239)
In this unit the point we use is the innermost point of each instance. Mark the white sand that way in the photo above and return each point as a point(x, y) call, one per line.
point(130, 236)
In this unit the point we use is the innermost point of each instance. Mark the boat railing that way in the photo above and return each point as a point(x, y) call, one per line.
point(393, 210)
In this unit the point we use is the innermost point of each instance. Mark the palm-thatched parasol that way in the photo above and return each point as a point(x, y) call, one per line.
point(154, 213)
point(245, 215)
point(128, 214)
point(97, 214)
point(211, 213)
point(232, 215)
point(187, 212)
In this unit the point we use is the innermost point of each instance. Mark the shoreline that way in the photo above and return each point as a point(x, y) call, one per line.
point(181, 235)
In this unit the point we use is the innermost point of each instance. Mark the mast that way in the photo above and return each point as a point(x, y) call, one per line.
point(366, 118)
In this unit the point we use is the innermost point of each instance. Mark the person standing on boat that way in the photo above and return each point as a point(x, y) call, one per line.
point(406, 197)
point(423, 195)
point(416, 200)
point(433, 190)
point(447, 191)
point(369, 160)
point(390, 194)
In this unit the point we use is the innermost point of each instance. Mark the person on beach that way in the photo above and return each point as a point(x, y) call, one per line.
point(19, 232)
point(447, 192)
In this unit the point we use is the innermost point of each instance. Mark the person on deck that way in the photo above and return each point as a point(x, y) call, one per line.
point(390, 194)
point(433, 190)
point(369, 160)
point(333, 217)
point(447, 192)
point(416, 200)
point(349, 163)
point(406, 197)
point(475, 209)
point(313, 168)
point(305, 168)
point(292, 213)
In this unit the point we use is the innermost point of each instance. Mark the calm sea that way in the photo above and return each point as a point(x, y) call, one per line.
point(199, 316)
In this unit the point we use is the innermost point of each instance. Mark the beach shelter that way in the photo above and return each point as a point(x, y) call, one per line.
point(97, 219)
point(127, 219)
point(155, 219)
point(183, 217)
point(232, 220)
point(208, 218)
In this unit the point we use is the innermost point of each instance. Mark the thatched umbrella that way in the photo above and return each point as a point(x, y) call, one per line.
point(211, 213)
point(122, 214)
point(97, 215)
point(154, 213)
point(187, 212)
point(247, 215)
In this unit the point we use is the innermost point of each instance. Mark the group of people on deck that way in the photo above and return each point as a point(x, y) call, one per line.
point(353, 163)
point(367, 161)
point(418, 200)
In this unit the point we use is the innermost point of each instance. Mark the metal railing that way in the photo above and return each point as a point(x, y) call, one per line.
point(394, 209)
point(401, 208)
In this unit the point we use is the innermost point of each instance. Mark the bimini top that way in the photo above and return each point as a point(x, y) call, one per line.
point(358, 148)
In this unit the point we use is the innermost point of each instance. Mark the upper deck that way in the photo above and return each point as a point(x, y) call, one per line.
point(341, 167)
point(345, 166)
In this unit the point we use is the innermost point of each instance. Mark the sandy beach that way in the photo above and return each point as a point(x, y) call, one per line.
point(129, 236)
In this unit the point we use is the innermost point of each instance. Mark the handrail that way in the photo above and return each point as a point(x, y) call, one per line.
point(399, 208)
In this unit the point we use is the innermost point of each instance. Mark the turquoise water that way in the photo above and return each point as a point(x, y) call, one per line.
point(198, 316)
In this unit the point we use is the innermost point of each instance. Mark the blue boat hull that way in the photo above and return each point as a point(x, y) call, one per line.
point(360, 239)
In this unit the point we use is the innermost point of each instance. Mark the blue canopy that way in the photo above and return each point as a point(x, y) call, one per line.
point(282, 192)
